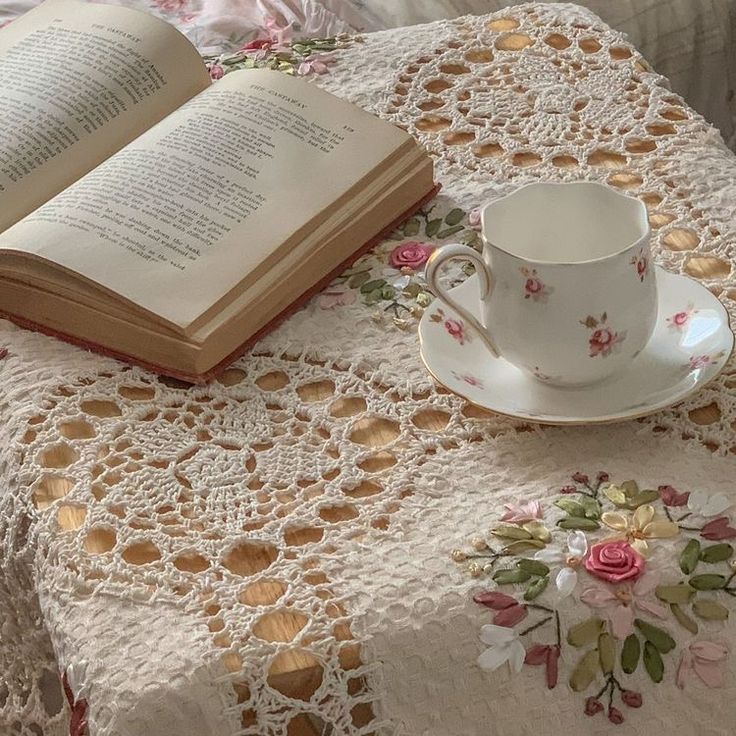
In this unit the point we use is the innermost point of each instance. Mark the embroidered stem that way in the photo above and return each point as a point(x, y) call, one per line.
point(557, 624)
point(668, 514)
point(690, 528)
point(535, 626)
point(684, 516)
point(539, 607)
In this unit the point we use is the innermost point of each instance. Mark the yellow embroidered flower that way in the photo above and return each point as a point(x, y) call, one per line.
point(636, 528)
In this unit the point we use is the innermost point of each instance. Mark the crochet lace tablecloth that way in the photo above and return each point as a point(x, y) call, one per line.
point(273, 553)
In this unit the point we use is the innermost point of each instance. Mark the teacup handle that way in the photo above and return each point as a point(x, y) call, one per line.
point(485, 282)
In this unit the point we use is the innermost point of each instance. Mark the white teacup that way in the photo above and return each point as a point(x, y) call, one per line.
point(567, 285)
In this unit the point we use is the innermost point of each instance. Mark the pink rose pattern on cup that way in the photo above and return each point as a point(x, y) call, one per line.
point(454, 327)
point(603, 340)
point(534, 288)
point(679, 320)
point(645, 619)
point(641, 263)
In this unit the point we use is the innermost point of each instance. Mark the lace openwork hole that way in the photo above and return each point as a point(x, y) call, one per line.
point(513, 42)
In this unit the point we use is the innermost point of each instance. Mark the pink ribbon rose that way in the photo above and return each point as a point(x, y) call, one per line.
point(412, 254)
point(614, 562)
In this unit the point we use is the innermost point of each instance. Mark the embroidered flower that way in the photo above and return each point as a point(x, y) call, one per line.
point(718, 529)
point(412, 254)
point(636, 529)
point(469, 379)
point(570, 560)
point(678, 320)
point(217, 71)
point(503, 646)
point(619, 603)
point(642, 265)
point(708, 505)
point(336, 296)
point(707, 660)
point(315, 63)
point(672, 497)
point(79, 709)
point(614, 561)
point(519, 513)
point(474, 218)
point(456, 329)
point(534, 288)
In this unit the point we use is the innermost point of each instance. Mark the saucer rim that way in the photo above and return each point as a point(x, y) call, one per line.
point(608, 419)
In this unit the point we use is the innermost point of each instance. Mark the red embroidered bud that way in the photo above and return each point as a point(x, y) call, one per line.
point(615, 715)
point(592, 706)
point(568, 489)
point(603, 477)
point(632, 698)
point(580, 478)
point(509, 617)
point(495, 600)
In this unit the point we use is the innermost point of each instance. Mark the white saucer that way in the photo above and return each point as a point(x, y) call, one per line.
point(678, 360)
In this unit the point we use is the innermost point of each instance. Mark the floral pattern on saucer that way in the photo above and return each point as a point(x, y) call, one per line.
point(603, 341)
point(703, 361)
point(679, 320)
point(534, 288)
point(468, 378)
point(648, 620)
point(454, 327)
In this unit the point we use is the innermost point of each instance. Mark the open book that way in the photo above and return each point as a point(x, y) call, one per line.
point(150, 214)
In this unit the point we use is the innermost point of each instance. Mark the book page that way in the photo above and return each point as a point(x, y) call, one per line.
point(183, 214)
point(77, 82)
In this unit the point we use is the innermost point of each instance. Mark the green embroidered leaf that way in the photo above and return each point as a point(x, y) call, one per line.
point(708, 582)
point(571, 507)
point(433, 227)
point(630, 487)
point(411, 227)
point(449, 231)
point(606, 652)
point(716, 553)
point(356, 281)
point(507, 531)
point(641, 498)
point(523, 545)
point(508, 576)
point(372, 285)
point(589, 322)
point(373, 297)
point(412, 290)
point(536, 588)
point(535, 567)
point(538, 530)
point(653, 662)
point(683, 619)
point(585, 632)
point(585, 671)
point(656, 636)
point(388, 292)
point(454, 216)
point(681, 593)
point(591, 507)
point(574, 522)
point(630, 654)
point(710, 610)
point(616, 495)
point(689, 557)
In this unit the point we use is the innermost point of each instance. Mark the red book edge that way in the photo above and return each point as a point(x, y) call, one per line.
point(223, 364)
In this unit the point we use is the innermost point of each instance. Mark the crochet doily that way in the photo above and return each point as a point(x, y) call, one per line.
point(198, 560)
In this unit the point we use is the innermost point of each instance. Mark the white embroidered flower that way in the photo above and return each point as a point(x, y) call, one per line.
point(708, 505)
point(570, 560)
point(503, 646)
